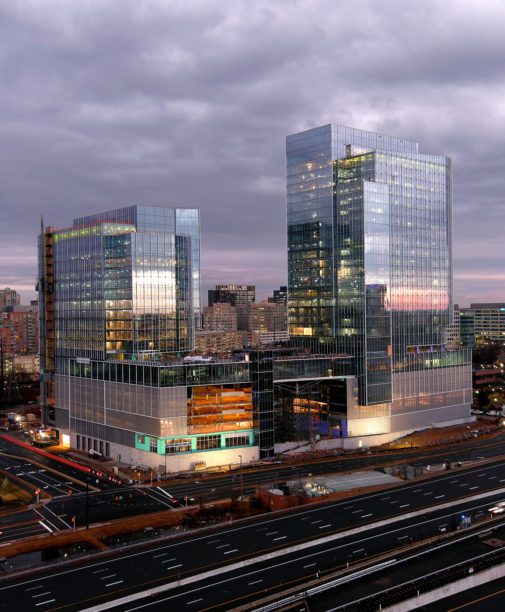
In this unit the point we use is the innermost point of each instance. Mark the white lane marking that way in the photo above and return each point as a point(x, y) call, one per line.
point(41, 586)
point(404, 506)
point(174, 566)
point(222, 546)
point(305, 518)
point(271, 533)
point(161, 555)
point(105, 569)
point(357, 551)
point(211, 542)
point(107, 577)
point(41, 603)
point(416, 490)
point(46, 527)
point(472, 488)
point(367, 515)
point(228, 552)
point(439, 496)
point(464, 484)
point(283, 537)
point(309, 565)
point(429, 493)
point(349, 507)
point(316, 522)
point(168, 560)
point(194, 601)
point(481, 475)
point(492, 477)
point(157, 499)
point(453, 481)
point(324, 526)
point(46, 519)
point(41, 594)
point(113, 583)
point(56, 516)
point(255, 582)
point(165, 492)
point(383, 498)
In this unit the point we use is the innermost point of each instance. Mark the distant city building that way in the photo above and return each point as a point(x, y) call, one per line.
point(453, 329)
point(482, 322)
point(9, 297)
point(267, 317)
point(268, 337)
point(219, 343)
point(240, 296)
point(467, 327)
point(369, 274)
point(280, 296)
point(486, 378)
point(19, 329)
point(26, 367)
point(220, 317)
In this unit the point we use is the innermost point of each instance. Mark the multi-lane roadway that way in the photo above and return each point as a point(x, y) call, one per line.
point(59, 479)
point(237, 562)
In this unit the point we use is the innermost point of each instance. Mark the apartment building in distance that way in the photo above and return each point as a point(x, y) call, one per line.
point(240, 296)
point(483, 322)
point(9, 297)
point(221, 316)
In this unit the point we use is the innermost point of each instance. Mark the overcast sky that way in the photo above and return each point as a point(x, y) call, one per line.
point(187, 103)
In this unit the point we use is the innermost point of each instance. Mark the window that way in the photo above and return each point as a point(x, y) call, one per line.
point(237, 441)
point(208, 442)
point(178, 445)
point(153, 447)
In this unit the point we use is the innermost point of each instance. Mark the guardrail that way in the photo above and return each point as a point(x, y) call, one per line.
point(413, 588)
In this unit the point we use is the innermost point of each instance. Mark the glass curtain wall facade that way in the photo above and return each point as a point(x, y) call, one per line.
point(150, 278)
point(369, 269)
point(118, 285)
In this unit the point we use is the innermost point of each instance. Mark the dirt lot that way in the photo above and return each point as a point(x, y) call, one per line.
point(12, 496)
point(447, 435)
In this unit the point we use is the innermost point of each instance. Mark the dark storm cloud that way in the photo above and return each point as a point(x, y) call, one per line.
point(188, 103)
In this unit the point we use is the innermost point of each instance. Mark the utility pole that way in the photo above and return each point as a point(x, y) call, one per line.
point(241, 479)
point(87, 503)
point(1, 371)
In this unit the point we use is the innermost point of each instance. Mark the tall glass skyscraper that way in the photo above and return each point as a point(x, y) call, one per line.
point(370, 273)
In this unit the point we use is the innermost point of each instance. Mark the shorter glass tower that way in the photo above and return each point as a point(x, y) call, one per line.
point(119, 285)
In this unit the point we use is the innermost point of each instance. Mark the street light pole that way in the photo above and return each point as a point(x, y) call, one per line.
point(241, 479)
point(87, 503)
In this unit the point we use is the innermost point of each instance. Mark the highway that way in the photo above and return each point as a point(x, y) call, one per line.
point(23, 524)
point(370, 522)
point(114, 503)
point(68, 470)
point(423, 567)
point(207, 488)
point(489, 597)
point(53, 483)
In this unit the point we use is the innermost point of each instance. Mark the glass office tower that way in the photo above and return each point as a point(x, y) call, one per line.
point(122, 285)
point(370, 274)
